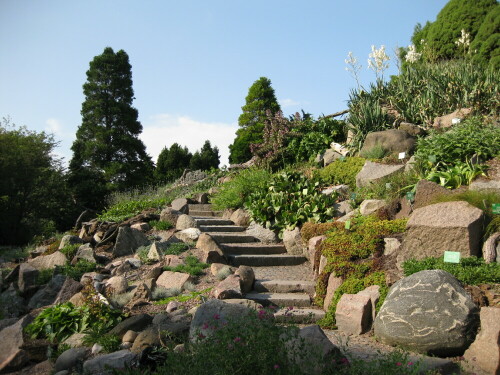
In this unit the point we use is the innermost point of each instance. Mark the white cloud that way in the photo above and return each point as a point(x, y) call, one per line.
point(54, 126)
point(284, 103)
point(165, 129)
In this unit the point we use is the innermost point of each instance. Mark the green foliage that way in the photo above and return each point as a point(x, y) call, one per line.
point(59, 322)
point(142, 253)
point(110, 343)
point(70, 250)
point(260, 98)
point(486, 44)
point(460, 143)
point(388, 188)
point(128, 205)
point(34, 196)
point(176, 248)
point(455, 16)
point(192, 266)
point(205, 159)
point(107, 146)
point(161, 225)
point(173, 295)
point(290, 199)
point(76, 271)
point(470, 271)
point(309, 137)
point(44, 276)
point(232, 194)
point(457, 175)
point(377, 152)
point(172, 162)
point(342, 171)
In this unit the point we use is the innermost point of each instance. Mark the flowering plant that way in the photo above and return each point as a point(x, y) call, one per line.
point(378, 61)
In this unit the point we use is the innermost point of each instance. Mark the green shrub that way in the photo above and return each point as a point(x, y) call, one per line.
point(310, 230)
point(342, 171)
point(176, 248)
point(388, 188)
point(142, 253)
point(470, 271)
point(377, 152)
point(459, 144)
point(76, 271)
point(161, 293)
point(70, 250)
point(110, 343)
point(288, 200)
point(161, 225)
point(44, 276)
point(173, 295)
point(233, 193)
point(192, 266)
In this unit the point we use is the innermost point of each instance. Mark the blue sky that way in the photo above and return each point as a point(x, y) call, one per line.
point(194, 60)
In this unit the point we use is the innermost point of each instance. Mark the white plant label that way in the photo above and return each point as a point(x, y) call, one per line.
point(402, 155)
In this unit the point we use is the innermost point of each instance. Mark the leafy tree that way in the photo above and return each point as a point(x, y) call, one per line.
point(172, 162)
point(107, 153)
point(260, 99)
point(486, 44)
point(205, 159)
point(456, 15)
point(34, 198)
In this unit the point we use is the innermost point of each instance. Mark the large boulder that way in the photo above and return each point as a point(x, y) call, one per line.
point(372, 172)
point(485, 350)
point(247, 278)
point(447, 121)
point(392, 140)
point(213, 312)
point(228, 288)
point(71, 359)
point(115, 285)
point(354, 314)
point(173, 280)
point(128, 240)
point(181, 205)
point(428, 312)
point(240, 217)
point(70, 240)
point(448, 226)
point(212, 253)
point(27, 277)
point(84, 252)
point(134, 323)
point(68, 290)
point(188, 235)
point(105, 363)
point(293, 241)
point(48, 261)
point(329, 156)
point(12, 356)
point(370, 206)
point(488, 186)
point(47, 295)
point(185, 222)
point(170, 215)
point(264, 235)
point(426, 191)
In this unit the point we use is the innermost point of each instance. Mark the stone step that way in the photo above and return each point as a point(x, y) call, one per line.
point(285, 286)
point(265, 260)
point(281, 299)
point(221, 228)
point(200, 220)
point(298, 315)
point(224, 237)
point(256, 248)
point(206, 213)
point(200, 207)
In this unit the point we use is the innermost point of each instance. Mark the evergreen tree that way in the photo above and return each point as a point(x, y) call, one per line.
point(457, 15)
point(172, 162)
point(260, 99)
point(205, 159)
point(107, 153)
point(486, 44)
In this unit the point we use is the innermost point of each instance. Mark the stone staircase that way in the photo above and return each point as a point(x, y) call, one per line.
point(283, 281)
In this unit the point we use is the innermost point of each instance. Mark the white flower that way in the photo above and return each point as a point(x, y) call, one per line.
point(378, 60)
point(464, 39)
point(412, 56)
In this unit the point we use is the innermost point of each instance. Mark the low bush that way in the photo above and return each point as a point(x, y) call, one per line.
point(232, 194)
point(288, 200)
point(470, 271)
point(161, 225)
point(377, 152)
point(110, 343)
point(388, 188)
point(176, 248)
point(70, 250)
point(160, 293)
point(192, 266)
point(310, 230)
point(341, 171)
point(77, 270)
point(201, 295)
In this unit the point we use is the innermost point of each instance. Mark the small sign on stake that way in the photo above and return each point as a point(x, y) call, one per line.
point(451, 257)
point(388, 185)
point(348, 224)
point(410, 196)
point(353, 196)
point(495, 208)
point(402, 155)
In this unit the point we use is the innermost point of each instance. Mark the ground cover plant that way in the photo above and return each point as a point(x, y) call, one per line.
point(470, 270)
point(232, 194)
point(290, 199)
point(341, 171)
point(352, 255)
point(192, 266)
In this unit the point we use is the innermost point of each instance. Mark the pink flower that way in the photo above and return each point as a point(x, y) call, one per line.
point(201, 336)
point(204, 326)
point(276, 366)
point(216, 316)
point(410, 363)
point(344, 361)
point(237, 339)
point(398, 363)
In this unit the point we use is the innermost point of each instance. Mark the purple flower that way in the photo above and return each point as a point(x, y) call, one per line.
point(237, 339)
